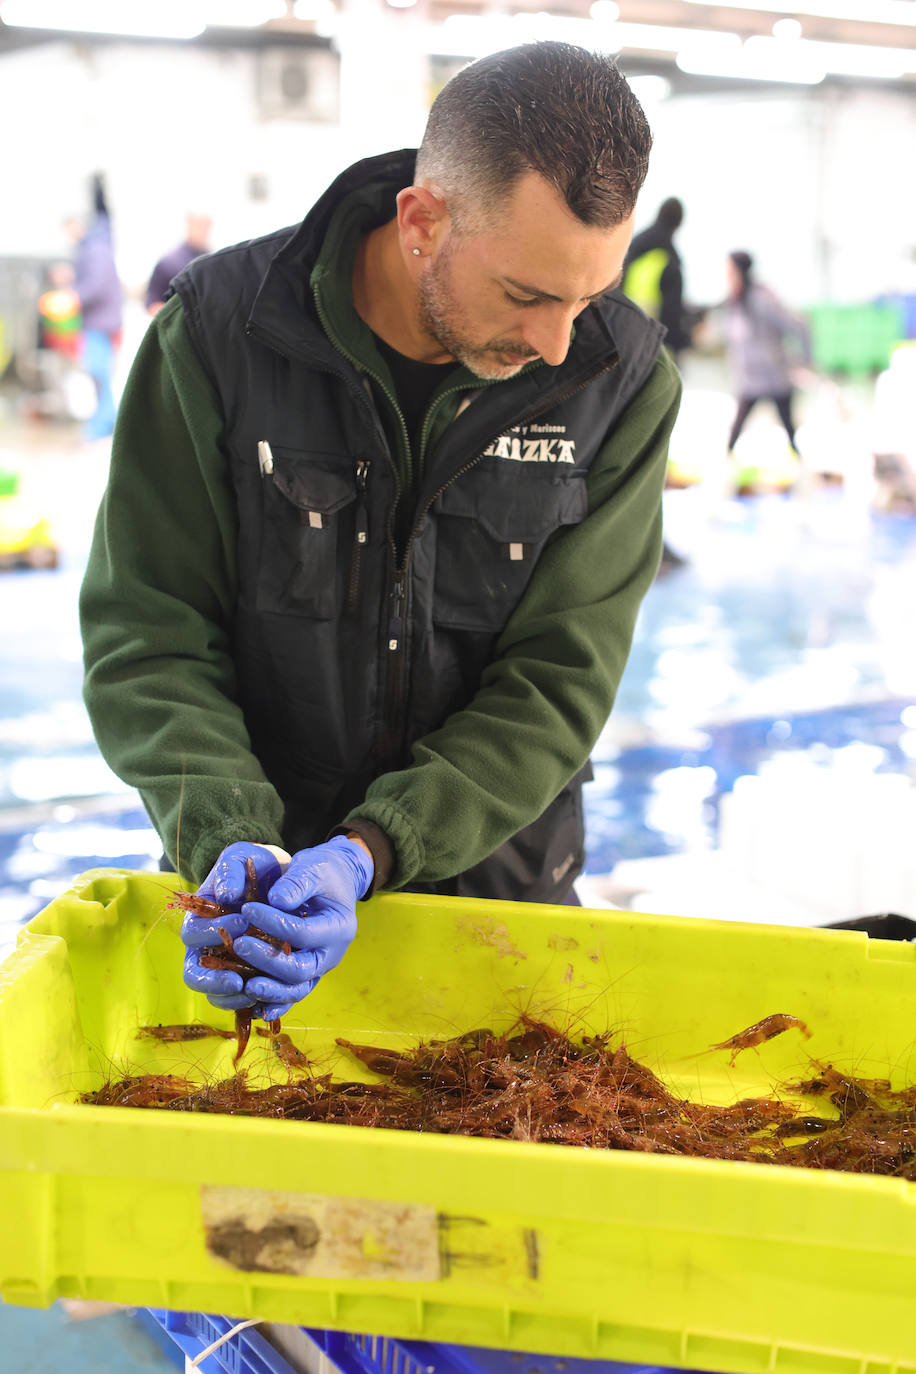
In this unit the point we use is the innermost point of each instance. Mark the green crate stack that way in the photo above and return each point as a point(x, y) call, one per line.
point(855, 339)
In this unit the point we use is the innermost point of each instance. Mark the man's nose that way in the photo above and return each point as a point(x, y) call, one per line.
point(550, 334)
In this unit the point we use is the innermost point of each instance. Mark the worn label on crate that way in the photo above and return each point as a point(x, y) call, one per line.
point(262, 1230)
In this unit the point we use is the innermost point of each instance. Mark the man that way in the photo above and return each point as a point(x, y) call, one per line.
point(196, 242)
point(654, 279)
point(384, 501)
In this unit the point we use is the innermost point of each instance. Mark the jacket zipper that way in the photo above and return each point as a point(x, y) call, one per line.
point(361, 535)
point(396, 698)
point(395, 689)
point(360, 367)
point(256, 332)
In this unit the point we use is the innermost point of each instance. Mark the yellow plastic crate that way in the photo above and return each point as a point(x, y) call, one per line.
point(646, 1259)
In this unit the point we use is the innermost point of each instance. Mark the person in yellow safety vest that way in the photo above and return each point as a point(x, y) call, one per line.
point(653, 276)
point(653, 280)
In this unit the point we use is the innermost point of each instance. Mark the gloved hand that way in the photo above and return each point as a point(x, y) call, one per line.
point(313, 909)
point(226, 883)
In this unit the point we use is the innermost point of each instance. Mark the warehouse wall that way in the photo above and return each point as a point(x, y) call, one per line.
point(815, 181)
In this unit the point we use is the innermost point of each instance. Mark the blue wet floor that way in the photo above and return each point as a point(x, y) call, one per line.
point(785, 631)
point(39, 1341)
point(622, 803)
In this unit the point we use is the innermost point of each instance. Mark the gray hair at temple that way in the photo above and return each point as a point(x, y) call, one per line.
point(552, 108)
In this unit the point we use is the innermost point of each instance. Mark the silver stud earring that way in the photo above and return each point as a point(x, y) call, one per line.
point(416, 252)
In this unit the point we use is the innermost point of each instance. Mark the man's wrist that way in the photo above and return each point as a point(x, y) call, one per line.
point(374, 840)
point(358, 839)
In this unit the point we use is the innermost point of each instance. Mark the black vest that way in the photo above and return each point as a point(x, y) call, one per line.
point(346, 654)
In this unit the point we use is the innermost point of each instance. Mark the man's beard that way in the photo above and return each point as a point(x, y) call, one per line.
point(441, 317)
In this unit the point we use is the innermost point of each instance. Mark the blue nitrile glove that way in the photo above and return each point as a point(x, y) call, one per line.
point(226, 883)
point(313, 909)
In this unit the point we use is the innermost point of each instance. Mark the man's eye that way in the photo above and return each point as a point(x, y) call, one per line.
point(519, 300)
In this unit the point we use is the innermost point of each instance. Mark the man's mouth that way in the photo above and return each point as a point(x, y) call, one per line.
point(515, 359)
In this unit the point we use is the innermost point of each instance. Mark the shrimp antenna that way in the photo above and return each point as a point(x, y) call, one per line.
point(178, 822)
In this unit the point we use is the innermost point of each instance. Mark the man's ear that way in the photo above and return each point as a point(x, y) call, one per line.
point(423, 220)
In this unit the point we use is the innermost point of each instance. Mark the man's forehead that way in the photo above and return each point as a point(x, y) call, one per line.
point(580, 262)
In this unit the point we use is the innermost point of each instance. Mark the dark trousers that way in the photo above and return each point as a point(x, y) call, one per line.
point(783, 404)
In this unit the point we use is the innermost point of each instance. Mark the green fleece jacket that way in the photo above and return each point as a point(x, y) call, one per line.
point(157, 605)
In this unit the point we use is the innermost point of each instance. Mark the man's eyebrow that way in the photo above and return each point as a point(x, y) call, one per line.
point(529, 290)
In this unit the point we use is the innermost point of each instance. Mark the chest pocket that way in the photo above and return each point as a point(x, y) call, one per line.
point(307, 501)
point(491, 529)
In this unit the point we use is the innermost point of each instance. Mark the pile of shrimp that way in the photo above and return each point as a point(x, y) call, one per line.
point(534, 1083)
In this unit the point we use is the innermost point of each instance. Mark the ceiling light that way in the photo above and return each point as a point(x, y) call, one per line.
point(666, 38)
point(323, 13)
point(472, 35)
point(841, 59)
point(132, 18)
point(787, 29)
point(801, 60)
point(467, 35)
point(476, 35)
point(872, 12)
point(242, 14)
point(649, 89)
point(740, 61)
point(604, 11)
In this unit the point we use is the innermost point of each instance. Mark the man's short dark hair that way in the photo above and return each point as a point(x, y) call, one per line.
point(551, 108)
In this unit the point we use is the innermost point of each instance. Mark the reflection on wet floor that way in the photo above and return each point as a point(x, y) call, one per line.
point(779, 650)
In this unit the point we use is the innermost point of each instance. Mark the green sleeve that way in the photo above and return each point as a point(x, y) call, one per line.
point(156, 605)
point(494, 766)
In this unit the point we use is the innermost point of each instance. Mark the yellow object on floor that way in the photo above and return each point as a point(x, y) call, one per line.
point(26, 536)
point(763, 468)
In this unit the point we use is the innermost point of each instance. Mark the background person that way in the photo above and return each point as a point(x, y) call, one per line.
point(759, 335)
point(101, 299)
point(63, 391)
point(378, 526)
point(198, 228)
point(654, 277)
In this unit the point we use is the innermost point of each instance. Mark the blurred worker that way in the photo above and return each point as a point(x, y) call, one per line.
point(196, 241)
point(59, 312)
point(385, 497)
point(654, 279)
point(101, 298)
point(757, 329)
point(59, 349)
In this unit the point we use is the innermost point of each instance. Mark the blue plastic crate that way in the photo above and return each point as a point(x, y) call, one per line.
point(247, 1352)
point(379, 1355)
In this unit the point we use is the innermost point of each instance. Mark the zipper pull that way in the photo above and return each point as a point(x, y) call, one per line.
point(362, 519)
point(265, 458)
point(395, 625)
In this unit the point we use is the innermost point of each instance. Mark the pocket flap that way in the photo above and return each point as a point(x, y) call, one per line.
point(323, 483)
point(515, 506)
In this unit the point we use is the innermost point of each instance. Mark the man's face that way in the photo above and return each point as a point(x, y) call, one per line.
point(499, 297)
